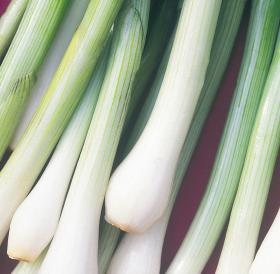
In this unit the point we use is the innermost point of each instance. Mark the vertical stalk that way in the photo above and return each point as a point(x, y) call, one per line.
point(74, 248)
point(150, 167)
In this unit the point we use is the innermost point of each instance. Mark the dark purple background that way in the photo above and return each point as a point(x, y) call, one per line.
point(199, 170)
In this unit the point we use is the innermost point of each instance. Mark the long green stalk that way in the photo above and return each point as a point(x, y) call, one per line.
point(142, 253)
point(74, 248)
point(217, 201)
point(9, 23)
point(150, 167)
point(246, 216)
point(56, 108)
point(36, 219)
point(21, 63)
point(165, 19)
point(64, 34)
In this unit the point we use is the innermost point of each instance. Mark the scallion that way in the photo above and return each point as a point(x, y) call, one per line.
point(141, 253)
point(148, 170)
point(74, 248)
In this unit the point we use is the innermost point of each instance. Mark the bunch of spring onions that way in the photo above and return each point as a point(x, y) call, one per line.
point(216, 204)
point(102, 103)
point(35, 220)
point(56, 108)
point(245, 220)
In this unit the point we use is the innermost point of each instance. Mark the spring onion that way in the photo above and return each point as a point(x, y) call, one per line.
point(21, 63)
point(267, 257)
point(62, 39)
point(165, 18)
point(35, 220)
point(149, 168)
point(249, 204)
point(9, 23)
point(110, 241)
point(141, 253)
point(218, 198)
point(75, 243)
point(56, 108)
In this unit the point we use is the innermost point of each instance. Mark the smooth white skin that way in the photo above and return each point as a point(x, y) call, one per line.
point(63, 37)
point(35, 221)
point(267, 258)
point(139, 189)
point(140, 253)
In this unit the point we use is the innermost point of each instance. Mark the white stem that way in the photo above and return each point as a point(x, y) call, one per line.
point(267, 258)
point(74, 249)
point(140, 187)
point(147, 247)
point(35, 221)
point(62, 39)
point(141, 253)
